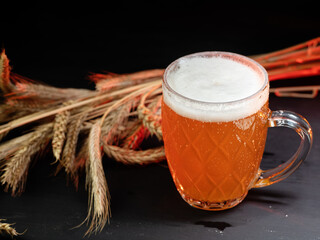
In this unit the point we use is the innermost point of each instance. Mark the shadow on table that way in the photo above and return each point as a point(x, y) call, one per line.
point(149, 194)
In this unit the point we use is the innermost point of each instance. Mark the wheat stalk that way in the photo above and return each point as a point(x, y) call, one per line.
point(9, 147)
point(6, 228)
point(150, 120)
point(111, 127)
point(99, 197)
point(137, 135)
point(79, 103)
point(25, 88)
point(15, 168)
point(108, 82)
point(59, 130)
point(129, 156)
point(140, 132)
point(68, 155)
point(5, 84)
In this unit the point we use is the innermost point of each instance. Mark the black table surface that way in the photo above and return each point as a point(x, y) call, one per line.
point(61, 46)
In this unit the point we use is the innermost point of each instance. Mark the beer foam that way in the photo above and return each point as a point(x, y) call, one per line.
point(215, 86)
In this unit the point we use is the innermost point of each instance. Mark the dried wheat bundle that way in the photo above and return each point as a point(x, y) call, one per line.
point(7, 229)
point(114, 119)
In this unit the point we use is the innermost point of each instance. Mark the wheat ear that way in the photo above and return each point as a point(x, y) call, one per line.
point(129, 156)
point(99, 197)
point(25, 88)
point(5, 84)
point(150, 120)
point(16, 167)
point(68, 155)
point(59, 130)
point(6, 228)
point(108, 82)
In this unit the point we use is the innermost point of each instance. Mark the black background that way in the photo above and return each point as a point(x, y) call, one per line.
point(60, 43)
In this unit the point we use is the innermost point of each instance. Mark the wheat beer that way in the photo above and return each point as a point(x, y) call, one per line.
point(214, 121)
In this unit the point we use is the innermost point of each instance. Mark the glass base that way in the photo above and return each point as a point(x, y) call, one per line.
point(213, 206)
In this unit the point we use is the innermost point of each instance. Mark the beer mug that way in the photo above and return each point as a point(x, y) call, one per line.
point(215, 117)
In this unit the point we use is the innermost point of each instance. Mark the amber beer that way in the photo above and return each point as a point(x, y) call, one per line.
point(214, 120)
point(214, 161)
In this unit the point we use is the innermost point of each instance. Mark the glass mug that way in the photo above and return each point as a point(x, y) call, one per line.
point(214, 147)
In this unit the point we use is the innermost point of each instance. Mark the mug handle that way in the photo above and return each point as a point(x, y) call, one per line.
point(302, 127)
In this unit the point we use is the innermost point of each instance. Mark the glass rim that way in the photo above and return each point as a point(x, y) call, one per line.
point(241, 59)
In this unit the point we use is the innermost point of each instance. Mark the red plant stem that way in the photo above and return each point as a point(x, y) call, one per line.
point(309, 45)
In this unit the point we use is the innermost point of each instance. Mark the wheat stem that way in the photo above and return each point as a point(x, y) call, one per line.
point(16, 166)
point(5, 84)
point(99, 197)
point(46, 113)
point(132, 95)
point(59, 130)
point(6, 228)
point(69, 151)
point(129, 156)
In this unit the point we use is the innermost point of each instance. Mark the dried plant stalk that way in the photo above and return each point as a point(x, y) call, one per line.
point(80, 103)
point(111, 128)
point(26, 89)
point(6, 228)
point(301, 60)
point(107, 82)
point(59, 131)
point(298, 92)
point(99, 197)
point(69, 151)
point(5, 84)
point(9, 147)
point(150, 120)
point(16, 167)
point(129, 156)
point(134, 139)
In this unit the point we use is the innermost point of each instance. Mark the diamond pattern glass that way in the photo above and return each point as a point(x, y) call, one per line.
point(211, 162)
